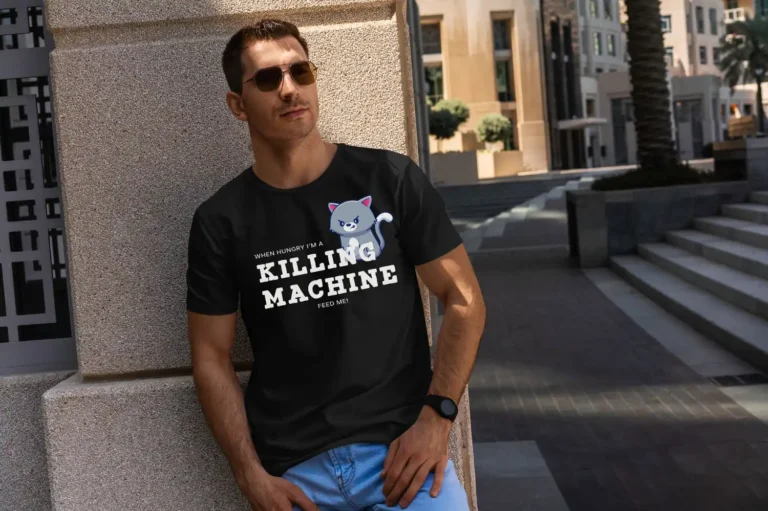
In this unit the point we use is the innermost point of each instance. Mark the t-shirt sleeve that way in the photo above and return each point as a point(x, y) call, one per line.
point(211, 284)
point(426, 231)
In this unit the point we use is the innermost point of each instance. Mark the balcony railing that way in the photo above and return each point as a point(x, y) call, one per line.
point(737, 14)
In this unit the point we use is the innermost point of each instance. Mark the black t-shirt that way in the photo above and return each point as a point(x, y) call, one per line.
point(325, 278)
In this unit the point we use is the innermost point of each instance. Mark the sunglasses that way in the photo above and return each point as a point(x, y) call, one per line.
point(270, 78)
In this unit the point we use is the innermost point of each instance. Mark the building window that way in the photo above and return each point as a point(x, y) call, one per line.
point(700, 19)
point(501, 37)
point(747, 109)
point(666, 24)
point(430, 38)
point(598, 43)
point(612, 45)
point(702, 54)
point(715, 55)
point(669, 51)
point(504, 86)
point(608, 9)
point(593, 8)
point(434, 85)
point(599, 70)
point(713, 21)
point(590, 107)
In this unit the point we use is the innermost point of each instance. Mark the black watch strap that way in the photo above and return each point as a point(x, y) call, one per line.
point(444, 406)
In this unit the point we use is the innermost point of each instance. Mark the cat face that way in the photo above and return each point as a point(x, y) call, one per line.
point(351, 216)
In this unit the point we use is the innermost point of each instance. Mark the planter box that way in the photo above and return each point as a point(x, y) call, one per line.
point(746, 156)
point(468, 167)
point(604, 224)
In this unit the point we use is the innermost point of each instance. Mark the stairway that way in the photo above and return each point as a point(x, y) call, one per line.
point(714, 276)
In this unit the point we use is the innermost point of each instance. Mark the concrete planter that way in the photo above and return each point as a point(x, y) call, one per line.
point(604, 224)
point(745, 156)
point(468, 167)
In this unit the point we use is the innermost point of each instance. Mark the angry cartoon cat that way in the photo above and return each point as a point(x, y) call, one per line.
point(354, 222)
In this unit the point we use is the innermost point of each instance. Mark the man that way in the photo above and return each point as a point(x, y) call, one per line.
point(322, 243)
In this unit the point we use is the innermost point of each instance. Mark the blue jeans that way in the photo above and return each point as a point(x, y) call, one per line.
point(347, 478)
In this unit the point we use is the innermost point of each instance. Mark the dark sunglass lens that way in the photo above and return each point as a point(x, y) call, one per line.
point(302, 73)
point(269, 79)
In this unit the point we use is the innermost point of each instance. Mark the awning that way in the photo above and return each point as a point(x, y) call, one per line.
point(578, 124)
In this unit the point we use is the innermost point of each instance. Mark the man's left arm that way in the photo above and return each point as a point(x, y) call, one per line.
point(423, 448)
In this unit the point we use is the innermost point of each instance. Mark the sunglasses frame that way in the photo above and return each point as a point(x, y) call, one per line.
point(312, 68)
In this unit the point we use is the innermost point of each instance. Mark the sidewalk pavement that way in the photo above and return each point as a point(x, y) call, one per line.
point(575, 406)
point(541, 221)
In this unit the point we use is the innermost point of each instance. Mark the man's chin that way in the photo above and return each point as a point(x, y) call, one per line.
point(292, 133)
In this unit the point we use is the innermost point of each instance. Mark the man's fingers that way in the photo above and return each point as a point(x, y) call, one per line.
point(437, 484)
point(416, 484)
point(390, 456)
point(402, 482)
point(399, 461)
point(298, 497)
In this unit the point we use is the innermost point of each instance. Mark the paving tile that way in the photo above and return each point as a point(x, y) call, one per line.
point(621, 422)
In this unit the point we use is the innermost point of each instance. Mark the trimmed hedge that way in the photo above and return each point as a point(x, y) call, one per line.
point(681, 174)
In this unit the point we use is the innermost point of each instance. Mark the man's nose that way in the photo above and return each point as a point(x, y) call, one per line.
point(288, 87)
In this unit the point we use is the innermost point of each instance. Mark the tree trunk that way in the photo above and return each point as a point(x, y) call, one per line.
point(650, 94)
point(760, 113)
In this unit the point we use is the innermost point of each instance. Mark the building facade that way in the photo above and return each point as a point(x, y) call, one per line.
point(562, 63)
point(603, 50)
point(487, 53)
point(692, 32)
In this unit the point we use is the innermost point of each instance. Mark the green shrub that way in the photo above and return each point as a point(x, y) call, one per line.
point(456, 106)
point(680, 174)
point(442, 124)
point(494, 128)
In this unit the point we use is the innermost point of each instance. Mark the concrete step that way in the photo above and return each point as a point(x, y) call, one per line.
point(736, 287)
point(759, 197)
point(734, 254)
point(734, 229)
point(742, 333)
point(757, 213)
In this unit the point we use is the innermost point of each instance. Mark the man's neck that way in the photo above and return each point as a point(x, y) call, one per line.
point(293, 164)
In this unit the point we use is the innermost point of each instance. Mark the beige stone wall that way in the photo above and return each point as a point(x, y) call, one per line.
point(144, 136)
point(469, 73)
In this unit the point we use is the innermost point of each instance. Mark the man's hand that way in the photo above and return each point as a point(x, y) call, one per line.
point(423, 448)
point(270, 493)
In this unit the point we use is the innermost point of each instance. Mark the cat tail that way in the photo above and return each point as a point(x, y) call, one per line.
point(383, 217)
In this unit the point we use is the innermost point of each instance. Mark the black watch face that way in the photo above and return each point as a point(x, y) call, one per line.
point(447, 407)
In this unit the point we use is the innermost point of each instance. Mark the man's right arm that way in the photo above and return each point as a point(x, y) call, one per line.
point(211, 339)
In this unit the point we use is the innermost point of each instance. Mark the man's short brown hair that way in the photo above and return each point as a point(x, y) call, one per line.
point(264, 30)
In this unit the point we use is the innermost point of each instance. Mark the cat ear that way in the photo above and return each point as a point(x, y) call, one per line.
point(333, 205)
point(366, 201)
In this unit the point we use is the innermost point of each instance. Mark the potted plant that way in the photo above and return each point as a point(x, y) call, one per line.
point(494, 130)
point(456, 106)
point(442, 125)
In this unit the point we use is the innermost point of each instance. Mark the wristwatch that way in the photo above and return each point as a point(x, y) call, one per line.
point(444, 406)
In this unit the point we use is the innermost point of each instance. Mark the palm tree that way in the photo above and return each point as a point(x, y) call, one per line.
point(650, 94)
point(744, 56)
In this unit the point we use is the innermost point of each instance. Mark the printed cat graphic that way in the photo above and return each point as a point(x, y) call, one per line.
point(354, 222)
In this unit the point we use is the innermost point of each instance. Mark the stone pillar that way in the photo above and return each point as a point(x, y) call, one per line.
point(144, 136)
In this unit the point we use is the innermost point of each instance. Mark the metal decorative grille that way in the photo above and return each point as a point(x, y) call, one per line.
point(35, 319)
